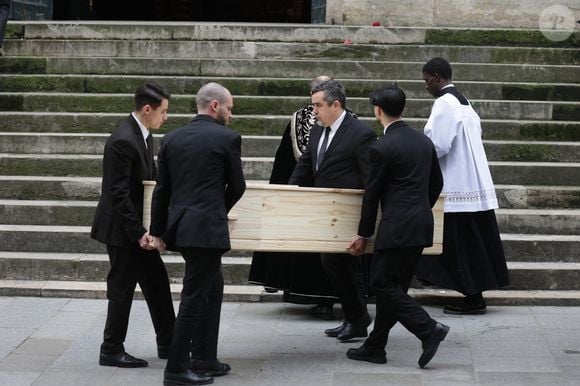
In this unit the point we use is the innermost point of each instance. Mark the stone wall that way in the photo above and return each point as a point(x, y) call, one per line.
point(534, 14)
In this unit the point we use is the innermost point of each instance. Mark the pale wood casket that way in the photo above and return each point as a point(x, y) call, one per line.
point(287, 218)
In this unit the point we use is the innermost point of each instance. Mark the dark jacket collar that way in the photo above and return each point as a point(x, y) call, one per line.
point(205, 117)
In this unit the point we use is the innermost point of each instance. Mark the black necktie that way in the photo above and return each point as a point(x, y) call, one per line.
point(322, 148)
point(149, 155)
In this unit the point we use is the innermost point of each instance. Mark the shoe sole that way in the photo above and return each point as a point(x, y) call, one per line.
point(474, 312)
point(212, 373)
point(175, 383)
point(127, 366)
point(379, 361)
point(347, 338)
point(428, 358)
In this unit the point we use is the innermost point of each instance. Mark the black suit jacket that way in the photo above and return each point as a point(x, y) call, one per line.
point(118, 218)
point(345, 164)
point(200, 179)
point(405, 177)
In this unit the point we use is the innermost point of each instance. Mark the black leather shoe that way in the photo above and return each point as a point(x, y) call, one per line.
point(431, 344)
point(357, 329)
point(333, 332)
point(365, 354)
point(121, 359)
point(213, 368)
point(163, 351)
point(186, 377)
point(466, 308)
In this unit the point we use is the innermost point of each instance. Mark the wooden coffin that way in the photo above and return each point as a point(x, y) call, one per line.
point(288, 218)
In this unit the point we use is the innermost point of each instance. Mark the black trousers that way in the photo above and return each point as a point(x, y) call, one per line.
point(391, 274)
point(129, 266)
point(345, 274)
point(197, 326)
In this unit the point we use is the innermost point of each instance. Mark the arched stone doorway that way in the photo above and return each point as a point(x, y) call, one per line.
point(279, 11)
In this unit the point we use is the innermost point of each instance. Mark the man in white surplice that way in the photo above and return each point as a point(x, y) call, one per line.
point(473, 259)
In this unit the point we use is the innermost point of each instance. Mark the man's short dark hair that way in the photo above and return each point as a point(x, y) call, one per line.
point(333, 91)
point(438, 66)
point(151, 94)
point(391, 99)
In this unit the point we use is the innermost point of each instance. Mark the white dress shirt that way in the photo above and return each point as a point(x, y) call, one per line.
point(333, 129)
point(144, 130)
point(455, 130)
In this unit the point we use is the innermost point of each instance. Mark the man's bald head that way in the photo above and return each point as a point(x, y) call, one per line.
point(215, 100)
point(210, 92)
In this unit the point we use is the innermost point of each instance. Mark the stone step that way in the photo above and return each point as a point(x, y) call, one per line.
point(535, 173)
point(80, 102)
point(265, 146)
point(255, 168)
point(88, 188)
point(252, 293)
point(304, 33)
point(80, 213)
point(98, 290)
point(189, 85)
point(539, 221)
point(76, 239)
point(94, 267)
point(69, 143)
point(277, 68)
point(259, 168)
point(60, 122)
point(282, 50)
point(537, 197)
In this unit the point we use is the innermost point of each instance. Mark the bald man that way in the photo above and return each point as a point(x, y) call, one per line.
point(199, 180)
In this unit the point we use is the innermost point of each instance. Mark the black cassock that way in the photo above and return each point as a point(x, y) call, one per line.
point(300, 275)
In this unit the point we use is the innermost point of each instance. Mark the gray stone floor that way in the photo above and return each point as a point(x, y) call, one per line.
point(47, 341)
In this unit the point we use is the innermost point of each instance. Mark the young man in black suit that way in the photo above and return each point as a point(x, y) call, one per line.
point(406, 179)
point(337, 157)
point(200, 179)
point(118, 222)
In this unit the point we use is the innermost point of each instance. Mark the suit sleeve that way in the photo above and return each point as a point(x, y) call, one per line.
point(435, 180)
point(161, 195)
point(362, 154)
point(236, 184)
point(302, 174)
point(372, 194)
point(119, 159)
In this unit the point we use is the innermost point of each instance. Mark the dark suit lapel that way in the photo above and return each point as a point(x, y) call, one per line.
point(146, 155)
point(337, 137)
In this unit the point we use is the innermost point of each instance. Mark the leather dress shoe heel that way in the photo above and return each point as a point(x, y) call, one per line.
point(365, 354)
point(213, 368)
point(163, 351)
point(121, 359)
point(186, 377)
point(357, 329)
point(431, 344)
point(333, 332)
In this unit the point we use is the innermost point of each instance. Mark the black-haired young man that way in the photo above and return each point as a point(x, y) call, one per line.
point(118, 222)
point(405, 178)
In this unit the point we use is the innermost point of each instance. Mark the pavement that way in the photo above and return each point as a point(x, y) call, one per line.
point(55, 341)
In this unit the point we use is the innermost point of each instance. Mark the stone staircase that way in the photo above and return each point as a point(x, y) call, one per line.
point(64, 86)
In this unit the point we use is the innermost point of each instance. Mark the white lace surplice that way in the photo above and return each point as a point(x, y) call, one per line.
point(455, 130)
